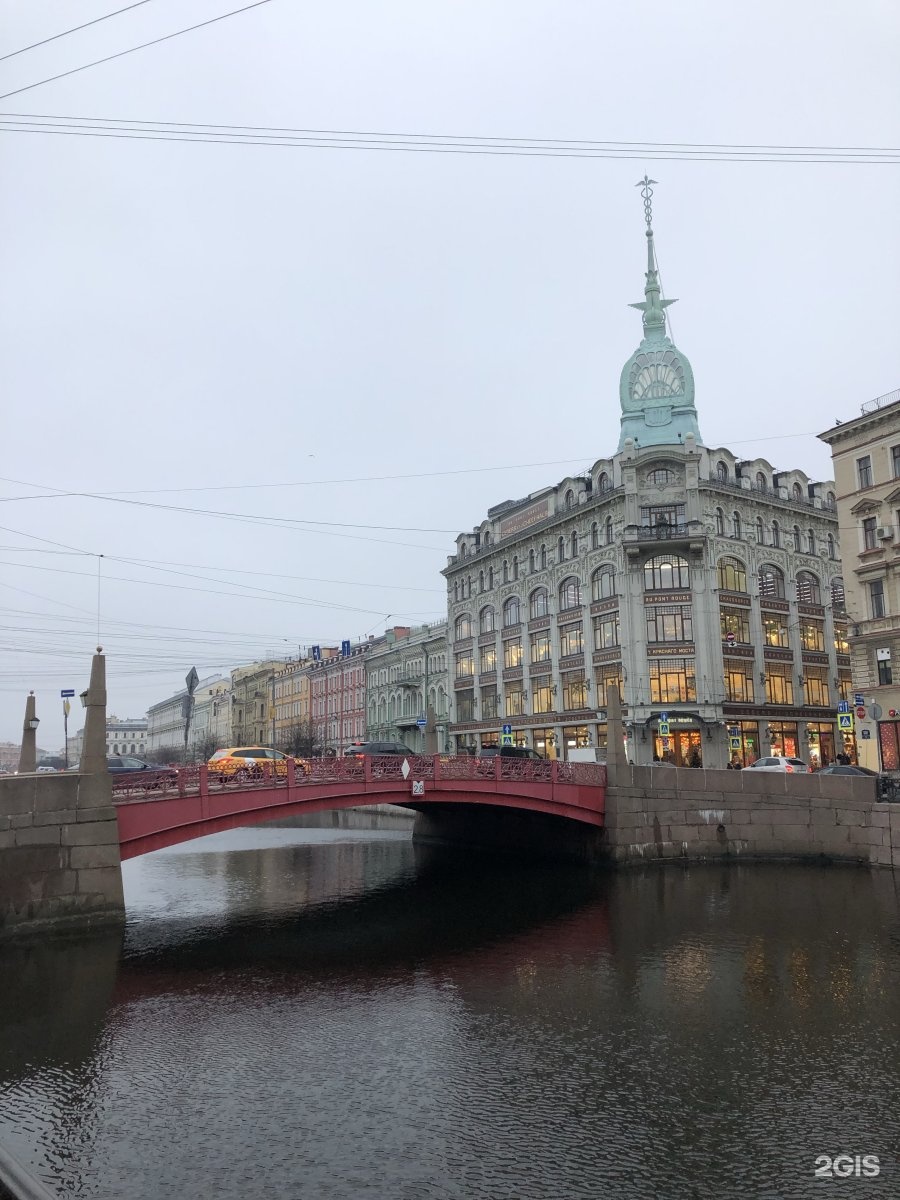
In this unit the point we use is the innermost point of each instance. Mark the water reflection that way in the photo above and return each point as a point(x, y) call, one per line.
point(322, 1013)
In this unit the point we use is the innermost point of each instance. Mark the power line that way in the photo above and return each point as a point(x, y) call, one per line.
point(132, 49)
point(862, 158)
point(74, 29)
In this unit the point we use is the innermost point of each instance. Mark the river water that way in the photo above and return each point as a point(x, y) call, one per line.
point(334, 1014)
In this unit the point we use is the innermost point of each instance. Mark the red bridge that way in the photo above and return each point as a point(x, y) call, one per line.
point(169, 807)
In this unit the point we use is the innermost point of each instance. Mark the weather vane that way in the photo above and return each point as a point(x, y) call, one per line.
point(645, 185)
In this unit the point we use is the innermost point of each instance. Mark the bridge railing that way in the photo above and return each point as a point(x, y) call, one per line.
point(169, 782)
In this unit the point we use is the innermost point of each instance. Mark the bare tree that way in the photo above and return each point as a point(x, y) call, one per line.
point(298, 740)
point(203, 749)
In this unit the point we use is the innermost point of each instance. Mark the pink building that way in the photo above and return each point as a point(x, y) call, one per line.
point(337, 693)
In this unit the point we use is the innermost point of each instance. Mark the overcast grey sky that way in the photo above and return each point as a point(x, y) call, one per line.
point(183, 316)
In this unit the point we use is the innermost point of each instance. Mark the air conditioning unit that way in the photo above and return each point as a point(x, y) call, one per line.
point(884, 533)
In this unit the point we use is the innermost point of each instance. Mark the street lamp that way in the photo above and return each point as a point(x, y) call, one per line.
point(34, 722)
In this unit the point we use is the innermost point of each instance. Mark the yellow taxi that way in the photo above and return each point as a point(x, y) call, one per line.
point(248, 762)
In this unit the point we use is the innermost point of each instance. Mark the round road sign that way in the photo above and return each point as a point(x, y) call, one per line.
point(861, 712)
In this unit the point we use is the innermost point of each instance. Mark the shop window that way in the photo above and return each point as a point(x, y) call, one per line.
point(738, 680)
point(732, 575)
point(779, 683)
point(539, 603)
point(669, 623)
point(672, 681)
point(736, 622)
point(606, 631)
point(808, 589)
point(603, 583)
point(574, 691)
point(512, 612)
point(540, 647)
point(488, 659)
point(569, 594)
point(486, 620)
point(512, 652)
point(771, 583)
point(664, 574)
point(571, 640)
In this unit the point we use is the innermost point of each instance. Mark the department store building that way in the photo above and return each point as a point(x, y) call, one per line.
point(707, 588)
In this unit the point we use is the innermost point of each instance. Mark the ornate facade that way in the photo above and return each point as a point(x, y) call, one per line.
point(706, 588)
point(407, 680)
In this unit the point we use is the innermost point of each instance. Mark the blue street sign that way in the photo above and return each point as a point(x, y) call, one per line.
point(664, 716)
point(317, 653)
point(345, 648)
point(422, 722)
point(844, 706)
point(67, 692)
point(858, 698)
point(505, 729)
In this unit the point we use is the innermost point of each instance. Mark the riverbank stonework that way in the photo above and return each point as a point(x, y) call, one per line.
point(655, 813)
point(59, 852)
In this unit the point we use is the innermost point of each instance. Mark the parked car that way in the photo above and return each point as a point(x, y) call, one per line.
point(780, 763)
point(845, 769)
point(247, 762)
point(510, 752)
point(886, 785)
point(361, 749)
point(121, 764)
point(45, 770)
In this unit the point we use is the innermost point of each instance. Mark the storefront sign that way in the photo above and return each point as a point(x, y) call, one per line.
point(528, 516)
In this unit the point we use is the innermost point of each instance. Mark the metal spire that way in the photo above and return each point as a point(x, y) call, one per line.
point(652, 306)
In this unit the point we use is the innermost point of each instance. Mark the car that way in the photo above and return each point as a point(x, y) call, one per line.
point(245, 762)
point(780, 763)
point(361, 749)
point(886, 785)
point(124, 765)
point(45, 770)
point(510, 752)
point(845, 769)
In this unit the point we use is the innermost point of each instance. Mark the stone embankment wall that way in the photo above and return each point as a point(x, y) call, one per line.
point(59, 851)
point(671, 813)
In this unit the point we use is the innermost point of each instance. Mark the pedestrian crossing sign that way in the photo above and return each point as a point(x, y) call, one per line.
point(663, 729)
point(845, 722)
point(735, 743)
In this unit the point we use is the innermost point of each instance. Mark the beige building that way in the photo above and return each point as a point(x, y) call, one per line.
point(253, 703)
point(291, 698)
point(866, 455)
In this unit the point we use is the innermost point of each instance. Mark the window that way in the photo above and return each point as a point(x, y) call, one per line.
point(738, 680)
point(661, 475)
point(895, 461)
point(831, 548)
point(603, 583)
point(514, 700)
point(465, 664)
point(845, 685)
point(542, 699)
point(808, 590)
point(760, 532)
point(465, 706)
point(779, 683)
point(841, 643)
point(540, 647)
point(515, 570)
point(512, 652)
point(815, 686)
point(771, 583)
point(486, 622)
point(720, 522)
point(490, 579)
point(669, 623)
point(885, 675)
point(736, 524)
point(539, 603)
point(761, 482)
point(595, 536)
point(672, 680)
point(463, 627)
point(561, 549)
point(489, 703)
point(608, 531)
point(606, 631)
point(798, 541)
point(722, 472)
point(662, 574)
point(487, 659)
point(571, 640)
point(864, 471)
point(574, 540)
point(574, 690)
point(868, 532)
point(838, 603)
point(812, 634)
point(775, 630)
point(569, 594)
point(876, 598)
point(481, 581)
point(543, 558)
point(776, 534)
point(732, 575)
point(662, 519)
point(608, 677)
point(735, 621)
point(811, 541)
point(512, 612)
point(531, 566)
point(505, 571)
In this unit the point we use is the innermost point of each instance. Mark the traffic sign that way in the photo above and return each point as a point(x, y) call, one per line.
point(861, 712)
point(845, 722)
point(422, 722)
point(843, 706)
point(866, 734)
point(664, 716)
point(664, 729)
point(506, 739)
point(734, 731)
point(735, 743)
point(191, 680)
point(858, 698)
point(67, 692)
point(506, 729)
point(665, 743)
point(730, 639)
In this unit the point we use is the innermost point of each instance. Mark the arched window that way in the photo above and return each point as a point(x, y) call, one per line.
point(603, 483)
point(776, 534)
point(531, 561)
point(595, 535)
point(505, 571)
point(798, 543)
point(808, 589)
point(660, 475)
point(732, 575)
point(490, 579)
point(569, 594)
point(720, 522)
point(487, 537)
point(771, 582)
point(603, 583)
point(736, 524)
point(561, 550)
point(829, 499)
point(570, 499)
point(797, 492)
point(838, 601)
point(761, 482)
point(722, 472)
point(463, 550)
point(831, 550)
point(115, 749)
point(512, 612)
point(515, 566)
point(811, 541)
point(455, 589)
point(608, 532)
point(574, 540)
point(463, 627)
point(486, 620)
point(662, 573)
point(539, 603)
point(481, 581)
point(543, 558)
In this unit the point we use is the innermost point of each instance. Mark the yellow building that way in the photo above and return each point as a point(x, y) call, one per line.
point(291, 699)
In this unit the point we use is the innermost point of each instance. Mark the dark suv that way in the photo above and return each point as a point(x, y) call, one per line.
point(510, 752)
point(361, 749)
